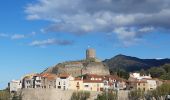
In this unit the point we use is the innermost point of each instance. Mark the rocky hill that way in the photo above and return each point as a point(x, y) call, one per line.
point(127, 63)
point(78, 68)
point(130, 64)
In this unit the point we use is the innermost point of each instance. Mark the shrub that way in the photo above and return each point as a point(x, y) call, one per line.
point(136, 94)
point(107, 96)
point(81, 95)
point(4, 95)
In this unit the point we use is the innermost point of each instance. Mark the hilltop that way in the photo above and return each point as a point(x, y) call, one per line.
point(130, 64)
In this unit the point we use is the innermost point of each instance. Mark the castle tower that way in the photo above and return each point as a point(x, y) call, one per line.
point(90, 53)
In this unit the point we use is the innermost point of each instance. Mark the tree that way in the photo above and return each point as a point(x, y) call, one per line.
point(107, 96)
point(81, 95)
point(156, 72)
point(166, 67)
point(136, 94)
point(4, 95)
point(142, 72)
point(17, 96)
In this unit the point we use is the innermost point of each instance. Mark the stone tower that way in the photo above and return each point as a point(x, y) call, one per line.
point(90, 53)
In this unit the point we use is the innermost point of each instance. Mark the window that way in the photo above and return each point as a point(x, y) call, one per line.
point(58, 83)
point(138, 83)
point(59, 87)
point(86, 85)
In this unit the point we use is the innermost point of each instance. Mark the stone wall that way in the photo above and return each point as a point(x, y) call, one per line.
point(46, 94)
point(50, 94)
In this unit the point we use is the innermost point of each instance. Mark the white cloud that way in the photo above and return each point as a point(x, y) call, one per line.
point(18, 36)
point(44, 43)
point(4, 35)
point(84, 16)
point(131, 35)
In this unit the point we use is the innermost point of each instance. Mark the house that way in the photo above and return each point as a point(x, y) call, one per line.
point(93, 82)
point(37, 81)
point(28, 81)
point(134, 76)
point(139, 85)
point(152, 84)
point(110, 82)
point(62, 81)
point(32, 81)
point(76, 84)
point(48, 80)
point(15, 85)
point(121, 84)
point(144, 82)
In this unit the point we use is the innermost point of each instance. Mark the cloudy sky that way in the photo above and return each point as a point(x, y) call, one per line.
point(35, 34)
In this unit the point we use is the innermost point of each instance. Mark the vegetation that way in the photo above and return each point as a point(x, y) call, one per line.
point(17, 96)
point(4, 95)
point(81, 95)
point(136, 95)
point(107, 96)
point(121, 73)
point(160, 92)
point(162, 72)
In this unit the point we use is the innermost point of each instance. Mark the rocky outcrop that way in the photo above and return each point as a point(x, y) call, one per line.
point(78, 68)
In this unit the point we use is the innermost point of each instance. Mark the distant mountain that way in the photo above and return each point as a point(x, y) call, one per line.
point(130, 64)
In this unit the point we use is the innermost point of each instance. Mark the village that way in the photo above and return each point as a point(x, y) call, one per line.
point(88, 82)
point(93, 80)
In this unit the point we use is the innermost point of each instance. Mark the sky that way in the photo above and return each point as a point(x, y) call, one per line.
point(36, 34)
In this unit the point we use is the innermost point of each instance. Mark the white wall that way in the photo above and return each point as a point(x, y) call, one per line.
point(15, 85)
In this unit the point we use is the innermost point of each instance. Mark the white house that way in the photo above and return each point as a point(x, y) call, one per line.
point(15, 85)
point(32, 81)
point(37, 81)
point(152, 84)
point(62, 81)
point(139, 77)
point(28, 82)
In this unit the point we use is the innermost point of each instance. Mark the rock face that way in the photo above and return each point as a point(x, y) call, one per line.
point(78, 68)
point(96, 68)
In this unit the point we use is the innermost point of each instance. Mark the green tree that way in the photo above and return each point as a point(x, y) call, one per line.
point(166, 67)
point(17, 96)
point(107, 96)
point(142, 72)
point(122, 73)
point(156, 72)
point(160, 92)
point(4, 95)
point(136, 94)
point(81, 95)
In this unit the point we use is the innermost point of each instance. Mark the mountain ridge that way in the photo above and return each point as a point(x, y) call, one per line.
point(130, 63)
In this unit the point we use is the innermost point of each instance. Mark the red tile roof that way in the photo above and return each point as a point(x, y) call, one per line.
point(92, 81)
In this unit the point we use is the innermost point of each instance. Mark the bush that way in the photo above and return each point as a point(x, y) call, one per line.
point(161, 91)
point(4, 95)
point(136, 94)
point(107, 96)
point(81, 95)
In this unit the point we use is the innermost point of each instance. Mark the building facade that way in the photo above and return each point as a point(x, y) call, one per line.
point(15, 85)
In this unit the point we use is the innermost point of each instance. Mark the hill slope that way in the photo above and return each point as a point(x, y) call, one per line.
point(129, 63)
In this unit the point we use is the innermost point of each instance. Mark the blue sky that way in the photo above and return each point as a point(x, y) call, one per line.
point(37, 34)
